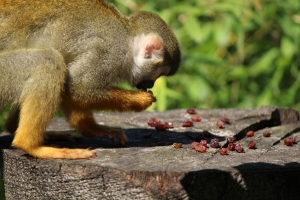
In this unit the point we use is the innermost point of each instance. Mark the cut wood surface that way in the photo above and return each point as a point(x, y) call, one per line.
point(151, 168)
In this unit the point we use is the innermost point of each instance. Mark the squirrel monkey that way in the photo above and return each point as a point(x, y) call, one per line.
point(70, 54)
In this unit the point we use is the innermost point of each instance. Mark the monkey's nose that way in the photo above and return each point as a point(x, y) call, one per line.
point(145, 84)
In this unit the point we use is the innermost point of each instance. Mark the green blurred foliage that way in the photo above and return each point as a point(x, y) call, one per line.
point(234, 53)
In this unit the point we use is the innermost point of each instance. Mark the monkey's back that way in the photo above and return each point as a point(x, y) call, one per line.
point(71, 27)
point(31, 23)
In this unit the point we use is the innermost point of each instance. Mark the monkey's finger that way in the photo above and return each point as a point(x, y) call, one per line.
point(154, 99)
point(123, 139)
point(117, 132)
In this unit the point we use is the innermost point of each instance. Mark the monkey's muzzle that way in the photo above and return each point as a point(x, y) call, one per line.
point(145, 84)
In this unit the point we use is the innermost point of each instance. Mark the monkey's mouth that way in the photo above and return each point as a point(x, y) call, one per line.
point(145, 84)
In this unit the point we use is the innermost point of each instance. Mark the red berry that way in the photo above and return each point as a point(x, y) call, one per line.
point(203, 143)
point(225, 120)
point(196, 118)
point(289, 141)
point(231, 146)
point(153, 121)
point(219, 124)
point(266, 134)
point(200, 148)
point(191, 111)
point(177, 145)
point(169, 125)
point(187, 124)
point(293, 139)
point(214, 143)
point(231, 140)
point(193, 144)
point(161, 127)
point(237, 144)
point(252, 145)
point(239, 149)
point(250, 134)
point(223, 151)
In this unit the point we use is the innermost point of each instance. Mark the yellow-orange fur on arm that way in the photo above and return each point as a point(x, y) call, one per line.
point(116, 99)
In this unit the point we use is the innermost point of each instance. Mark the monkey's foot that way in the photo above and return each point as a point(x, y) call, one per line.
point(64, 153)
point(111, 132)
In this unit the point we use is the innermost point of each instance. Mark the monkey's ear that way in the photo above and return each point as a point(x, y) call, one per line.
point(152, 44)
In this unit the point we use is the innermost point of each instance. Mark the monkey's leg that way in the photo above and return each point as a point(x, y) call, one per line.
point(29, 135)
point(12, 121)
point(84, 122)
point(39, 99)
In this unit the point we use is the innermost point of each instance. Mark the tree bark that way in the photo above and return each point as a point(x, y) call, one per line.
point(151, 168)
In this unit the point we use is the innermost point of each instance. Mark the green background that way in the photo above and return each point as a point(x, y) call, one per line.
point(234, 53)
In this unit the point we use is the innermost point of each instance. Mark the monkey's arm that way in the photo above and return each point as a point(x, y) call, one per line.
point(79, 115)
point(116, 99)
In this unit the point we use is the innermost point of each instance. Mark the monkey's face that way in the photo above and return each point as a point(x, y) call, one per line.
point(150, 74)
point(149, 80)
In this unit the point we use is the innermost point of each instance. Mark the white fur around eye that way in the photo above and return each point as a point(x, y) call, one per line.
point(147, 47)
point(148, 52)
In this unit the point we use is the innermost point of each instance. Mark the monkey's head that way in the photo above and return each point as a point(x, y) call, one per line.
point(156, 50)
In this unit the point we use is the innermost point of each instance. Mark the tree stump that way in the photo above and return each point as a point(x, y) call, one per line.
point(151, 168)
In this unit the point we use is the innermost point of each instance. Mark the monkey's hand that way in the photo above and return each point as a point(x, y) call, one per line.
point(83, 120)
point(142, 100)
